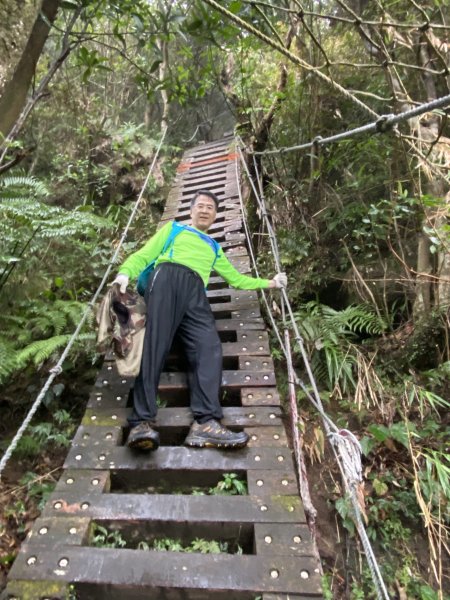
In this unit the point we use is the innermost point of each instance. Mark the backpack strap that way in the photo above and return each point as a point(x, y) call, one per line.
point(176, 229)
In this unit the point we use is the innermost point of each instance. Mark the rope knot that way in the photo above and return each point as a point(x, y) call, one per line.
point(57, 369)
point(383, 123)
point(349, 449)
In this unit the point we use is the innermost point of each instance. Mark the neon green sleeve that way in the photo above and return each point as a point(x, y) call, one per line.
point(137, 261)
point(236, 279)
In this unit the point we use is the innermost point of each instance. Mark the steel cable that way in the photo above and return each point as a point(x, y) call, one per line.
point(345, 445)
point(381, 125)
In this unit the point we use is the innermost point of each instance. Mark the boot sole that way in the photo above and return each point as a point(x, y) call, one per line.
point(198, 442)
point(144, 444)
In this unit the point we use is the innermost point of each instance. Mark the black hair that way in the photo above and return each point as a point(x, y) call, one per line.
point(205, 193)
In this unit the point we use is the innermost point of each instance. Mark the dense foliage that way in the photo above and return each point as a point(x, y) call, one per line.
point(362, 224)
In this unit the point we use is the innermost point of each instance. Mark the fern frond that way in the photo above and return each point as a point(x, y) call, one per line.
point(360, 319)
point(12, 185)
point(328, 334)
point(41, 350)
point(7, 359)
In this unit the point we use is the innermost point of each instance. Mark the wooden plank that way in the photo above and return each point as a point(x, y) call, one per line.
point(200, 180)
point(33, 590)
point(168, 381)
point(176, 508)
point(187, 572)
point(245, 349)
point(280, 539)
point(173, 458)
point(182, 416)
point(84, 480)
point(266, 436)
point(54, 531)
point(225, 144)
point(267, 396)
point(281, 481)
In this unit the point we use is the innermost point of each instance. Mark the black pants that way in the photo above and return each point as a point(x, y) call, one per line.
point(177, 304)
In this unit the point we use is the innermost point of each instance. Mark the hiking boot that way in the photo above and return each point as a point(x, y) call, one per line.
point(143, 437)
point(214, 435)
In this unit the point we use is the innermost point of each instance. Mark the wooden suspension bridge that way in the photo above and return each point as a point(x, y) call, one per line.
point(148, 496)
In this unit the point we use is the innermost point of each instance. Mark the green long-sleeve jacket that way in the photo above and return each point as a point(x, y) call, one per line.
point(190, 250)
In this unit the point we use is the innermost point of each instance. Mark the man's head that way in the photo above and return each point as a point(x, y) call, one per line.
point(204, 207)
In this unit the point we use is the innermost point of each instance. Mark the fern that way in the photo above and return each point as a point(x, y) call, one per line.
point(61, 315)
point(26, 220)
point(357, 319)
point(10, 186)
point(7, 359)
point(51, 221)
point(328, 335)
point(41, 350)
point(40, 330)
point(39, 309)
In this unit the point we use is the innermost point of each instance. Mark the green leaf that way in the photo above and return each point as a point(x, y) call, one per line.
point(367, 445)
point(235, 7)
point(380, 487)
point(379, 432)
point(399, 433)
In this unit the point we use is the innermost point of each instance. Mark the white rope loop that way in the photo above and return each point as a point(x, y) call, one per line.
point(350, 451)
point(57, 369)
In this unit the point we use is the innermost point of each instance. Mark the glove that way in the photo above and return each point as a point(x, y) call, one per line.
point(122, 280)
point(280, 280)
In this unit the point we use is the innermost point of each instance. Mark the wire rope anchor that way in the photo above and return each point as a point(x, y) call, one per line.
point(384, 123)
point(350, 451)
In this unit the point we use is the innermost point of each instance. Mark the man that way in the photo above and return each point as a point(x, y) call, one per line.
point(177, 304)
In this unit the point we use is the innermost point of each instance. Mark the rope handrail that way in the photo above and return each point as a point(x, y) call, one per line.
point(381, 125)
point(345, 445)
point(56, 370)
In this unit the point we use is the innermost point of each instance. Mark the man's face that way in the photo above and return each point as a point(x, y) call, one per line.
point(203, 213)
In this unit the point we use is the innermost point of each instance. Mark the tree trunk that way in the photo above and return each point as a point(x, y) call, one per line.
point(16, 21)
point(422, 302)
point(163, 69)
point(15, 91)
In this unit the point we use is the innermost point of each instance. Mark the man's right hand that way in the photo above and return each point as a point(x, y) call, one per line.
point(279, 281)
point(122, 280)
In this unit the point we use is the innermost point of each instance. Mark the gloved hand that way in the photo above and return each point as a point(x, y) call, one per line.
point(279, 281)
point(122, 280)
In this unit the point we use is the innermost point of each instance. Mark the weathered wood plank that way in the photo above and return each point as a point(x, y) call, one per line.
point(187, 572)
point(176, 458)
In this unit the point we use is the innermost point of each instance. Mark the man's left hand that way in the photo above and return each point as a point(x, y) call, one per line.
point(279, 281)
